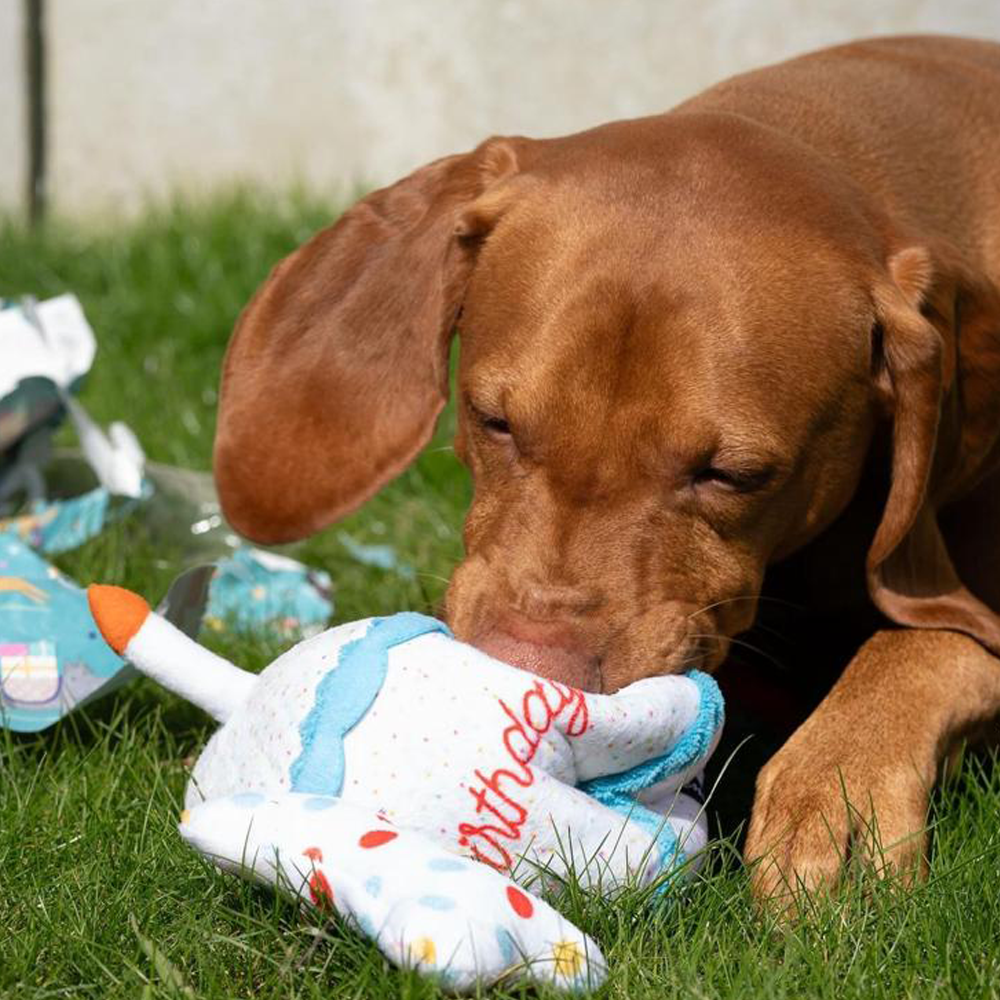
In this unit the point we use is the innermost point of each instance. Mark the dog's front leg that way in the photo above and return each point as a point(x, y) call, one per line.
point(855, 778)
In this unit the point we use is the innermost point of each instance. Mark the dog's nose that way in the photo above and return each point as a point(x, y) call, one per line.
point(551, 649)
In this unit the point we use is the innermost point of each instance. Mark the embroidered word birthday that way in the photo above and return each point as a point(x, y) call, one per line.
point(496, 795)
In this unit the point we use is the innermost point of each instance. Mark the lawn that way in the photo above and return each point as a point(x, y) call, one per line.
point(93, 877)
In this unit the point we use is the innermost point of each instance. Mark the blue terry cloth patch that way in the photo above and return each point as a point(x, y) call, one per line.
point(619, 791)
point(671, 855)
point(344, 696)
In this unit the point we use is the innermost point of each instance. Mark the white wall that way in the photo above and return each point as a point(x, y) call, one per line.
point(13, 145)
point(148, 95)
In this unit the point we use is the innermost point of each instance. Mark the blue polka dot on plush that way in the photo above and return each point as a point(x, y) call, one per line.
point(316, 803)
point(373, 886)
point(247, 799)
point(446, 865)
point(508, 947)
point(437, 902)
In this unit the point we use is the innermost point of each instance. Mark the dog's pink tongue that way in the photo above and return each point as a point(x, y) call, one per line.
point(568, 666)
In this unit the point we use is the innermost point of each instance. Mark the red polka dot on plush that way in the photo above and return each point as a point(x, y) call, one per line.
point(320, 891)
point(519, 902)
point(376, 838)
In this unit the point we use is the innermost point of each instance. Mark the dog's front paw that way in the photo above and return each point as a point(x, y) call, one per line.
point(821, 802)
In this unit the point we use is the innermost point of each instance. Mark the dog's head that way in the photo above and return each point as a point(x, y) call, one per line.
point(676, 340)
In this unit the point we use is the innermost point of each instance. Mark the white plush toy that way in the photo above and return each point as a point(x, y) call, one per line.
point(368, 766)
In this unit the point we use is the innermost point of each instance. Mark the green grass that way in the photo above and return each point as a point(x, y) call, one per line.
point(93, 877)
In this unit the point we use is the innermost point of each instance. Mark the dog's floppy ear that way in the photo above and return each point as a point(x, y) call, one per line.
point(911, 577)
point(338, 367)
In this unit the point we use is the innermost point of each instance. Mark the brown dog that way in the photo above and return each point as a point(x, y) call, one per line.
point(762, 327)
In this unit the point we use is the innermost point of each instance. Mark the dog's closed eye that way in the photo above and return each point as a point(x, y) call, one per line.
point(496, 426)
point(491, 421)
point(737, 480)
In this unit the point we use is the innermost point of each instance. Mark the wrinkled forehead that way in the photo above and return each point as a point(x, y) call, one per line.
point(607, 324)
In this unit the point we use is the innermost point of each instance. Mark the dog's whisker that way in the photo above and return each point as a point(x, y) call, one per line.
point(771, 631)
point(747, 597)
point(734, 640)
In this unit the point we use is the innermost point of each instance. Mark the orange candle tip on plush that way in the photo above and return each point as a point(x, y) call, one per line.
point(119, 613)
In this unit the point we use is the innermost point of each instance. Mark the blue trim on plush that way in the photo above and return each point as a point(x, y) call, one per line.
point(657, 827)
point(343, 697)
point(619, 791)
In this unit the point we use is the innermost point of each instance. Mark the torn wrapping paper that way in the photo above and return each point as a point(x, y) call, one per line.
point(47, 668)
point(46, 349)
point(380, 556)
point(255, 588)
point(59, 526)
point(52, 657)
point(54, 506)
point(252, 589)
point(44, 679)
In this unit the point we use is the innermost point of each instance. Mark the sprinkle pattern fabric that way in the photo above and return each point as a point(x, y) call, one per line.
point(442, 757)
point(375, 709)
point(465, 924)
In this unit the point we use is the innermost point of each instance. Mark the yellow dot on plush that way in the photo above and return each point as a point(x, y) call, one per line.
point(423, 951)
point(568, 957)
point(186, 816)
